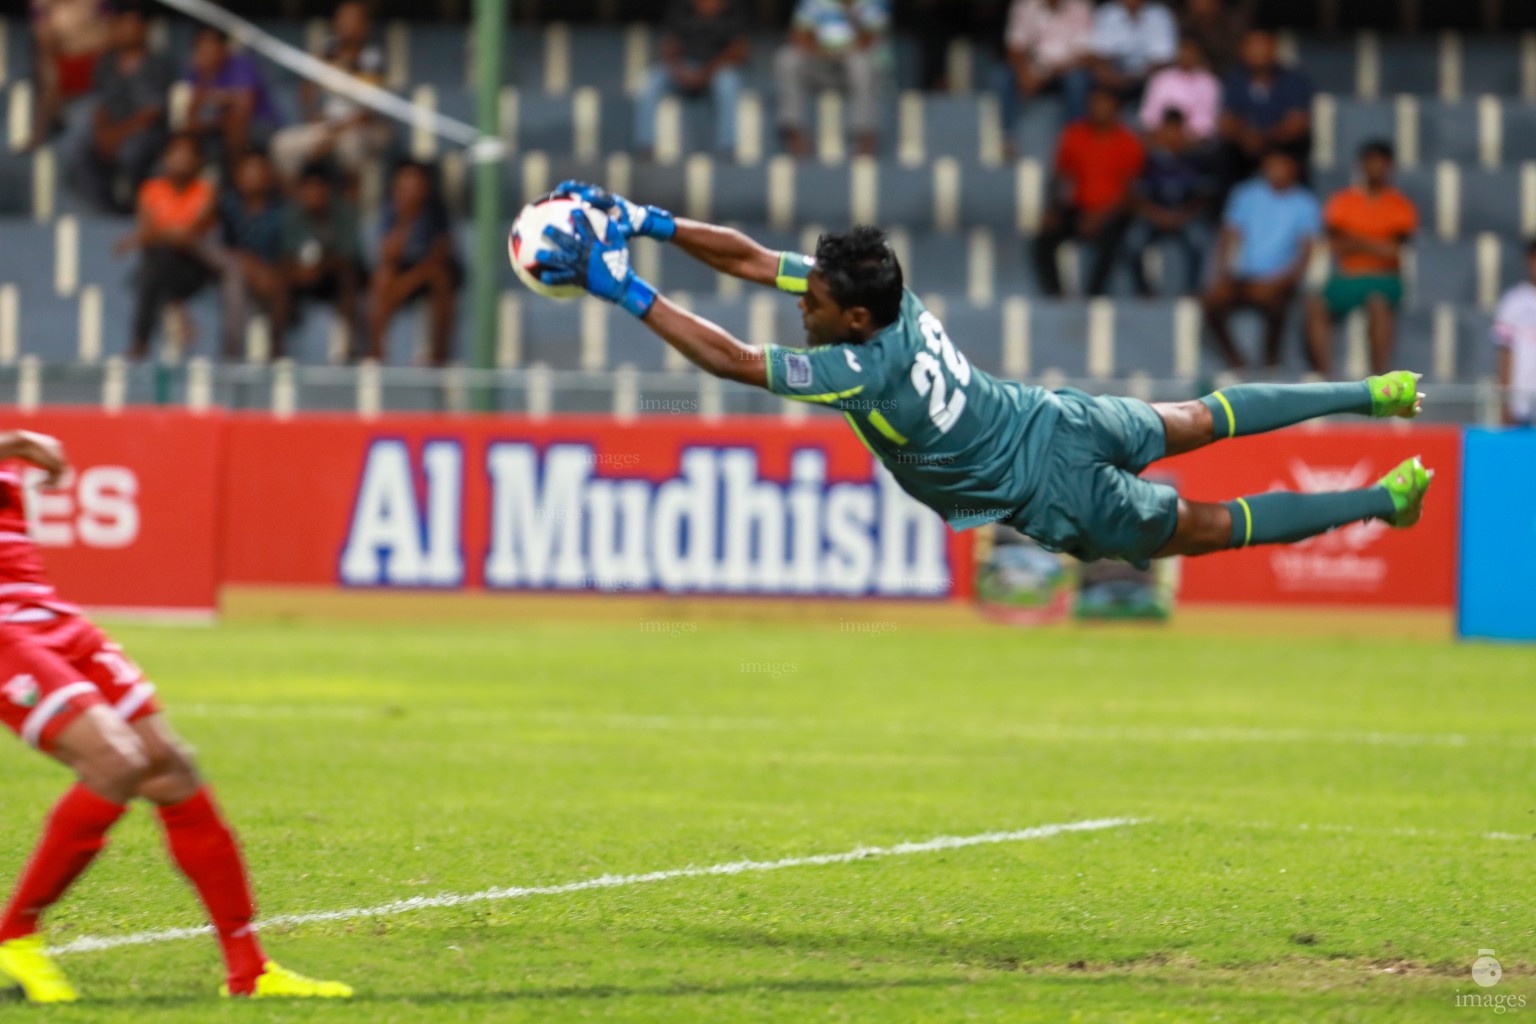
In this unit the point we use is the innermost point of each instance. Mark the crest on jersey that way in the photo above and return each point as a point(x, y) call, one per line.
point(797, 370)
point(853, 361)
point(22, 691)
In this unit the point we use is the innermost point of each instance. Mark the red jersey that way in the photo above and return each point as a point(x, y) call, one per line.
point(23, 578)
point(1100, 166)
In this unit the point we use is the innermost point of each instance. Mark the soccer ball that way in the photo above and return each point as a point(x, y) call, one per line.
point(526, 245)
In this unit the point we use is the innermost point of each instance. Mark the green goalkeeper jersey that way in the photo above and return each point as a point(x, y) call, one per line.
point(962, 442)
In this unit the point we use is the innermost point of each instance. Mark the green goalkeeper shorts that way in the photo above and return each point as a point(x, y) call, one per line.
point(1091, 501)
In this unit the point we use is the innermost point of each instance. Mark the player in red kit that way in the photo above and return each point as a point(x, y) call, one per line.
point(69, 691)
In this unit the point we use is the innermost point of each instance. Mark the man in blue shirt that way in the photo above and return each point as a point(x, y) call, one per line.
point(1271, 224)
point(1265, 106)
point(1061, 466)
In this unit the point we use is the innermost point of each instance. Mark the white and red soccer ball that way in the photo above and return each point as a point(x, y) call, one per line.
point(527, 245)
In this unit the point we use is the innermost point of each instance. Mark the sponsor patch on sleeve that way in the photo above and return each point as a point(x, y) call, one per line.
point(797, 370)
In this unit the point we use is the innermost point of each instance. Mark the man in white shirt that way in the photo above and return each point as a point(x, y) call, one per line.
point(1514, 332)
point(1132, 39)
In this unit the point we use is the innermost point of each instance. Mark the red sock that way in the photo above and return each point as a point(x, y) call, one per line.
point(74, 834)
point(209, 855)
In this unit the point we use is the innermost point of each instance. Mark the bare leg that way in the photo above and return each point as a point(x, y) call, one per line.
point(1188, 425)
point(1380, 325)
point(1320, 336)
point(1204, 528)
point(1218, 303)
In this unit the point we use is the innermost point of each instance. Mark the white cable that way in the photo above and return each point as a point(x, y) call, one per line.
point(482, 148)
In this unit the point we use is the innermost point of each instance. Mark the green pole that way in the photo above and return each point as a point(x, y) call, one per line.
point(490, 27)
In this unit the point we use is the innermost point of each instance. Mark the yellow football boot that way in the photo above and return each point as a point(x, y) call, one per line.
point(25, 961)
point(277, 982)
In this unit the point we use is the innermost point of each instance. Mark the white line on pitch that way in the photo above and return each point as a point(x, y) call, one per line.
point(1022, 730)
point(94, 945)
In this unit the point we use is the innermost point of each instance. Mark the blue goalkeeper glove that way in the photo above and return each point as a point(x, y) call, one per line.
point(633, 219)
point(599, 266)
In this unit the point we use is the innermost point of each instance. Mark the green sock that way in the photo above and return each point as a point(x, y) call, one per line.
point(1258, 408)
point(1283, 517)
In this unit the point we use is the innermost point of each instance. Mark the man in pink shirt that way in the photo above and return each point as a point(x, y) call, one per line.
point(1189, 87)
point(1048, 43)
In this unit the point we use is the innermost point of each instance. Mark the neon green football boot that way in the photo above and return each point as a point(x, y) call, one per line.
point(25, 962)
point(278, 982)
point(1396, 394)
point(1407, 484)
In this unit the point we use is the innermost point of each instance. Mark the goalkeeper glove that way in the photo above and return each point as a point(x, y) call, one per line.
point(600, 266)
point(632, 218)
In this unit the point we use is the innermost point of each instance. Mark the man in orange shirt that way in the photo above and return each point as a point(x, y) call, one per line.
point(1097, 162)
point(1368, 225)
point(176, 217)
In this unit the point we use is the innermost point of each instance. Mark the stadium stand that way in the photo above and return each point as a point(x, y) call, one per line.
point(1458, 101)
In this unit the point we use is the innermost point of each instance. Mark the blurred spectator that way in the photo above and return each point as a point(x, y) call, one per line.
point(68, 36)
point(251, 216)
point(1368, 225)
point(1266, 241)
point(322, 253)
point(703, 47)
point(1131, 39)
point(128, 128)
point(1266, 106)
point(833, 44)
point(1217, 30)
point(1188, 87)
point(938, 23)
point(336, 127)
point(1173, 197)
point(232, 108)
point(416, 258)
point(1097, 162)
point(1048, 45)
point(175, 224)
point(1514, 332)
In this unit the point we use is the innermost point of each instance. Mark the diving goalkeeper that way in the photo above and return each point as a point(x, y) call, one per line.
point(1059, 465)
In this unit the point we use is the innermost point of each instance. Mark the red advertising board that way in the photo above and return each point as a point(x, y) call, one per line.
point(1366, 563)
point(662, 504)
point(135, 522)
point(164, 507)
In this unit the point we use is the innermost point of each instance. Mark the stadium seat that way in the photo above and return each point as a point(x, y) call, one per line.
point(1490, 64)
point(1476, 357)
point(977, 331)
point(1519, 130)
point(823, 195)
point(552, 334)
point(1410, 64)
point(905, 195)
point(1443, 272)
point(740, 193)
point(1490, 200)
point(952, 126)
point(1329, 61)
point(1144, 338)
point(940, 263)
point(1362, 121)
point(1449, 131)
point(598, 59)
point(439, 56)
point(1058, 337)
point(544, 123)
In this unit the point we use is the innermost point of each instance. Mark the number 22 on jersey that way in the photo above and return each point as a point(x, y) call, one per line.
point(944, 406)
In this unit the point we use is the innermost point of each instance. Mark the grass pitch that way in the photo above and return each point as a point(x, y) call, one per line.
point(1330, 830)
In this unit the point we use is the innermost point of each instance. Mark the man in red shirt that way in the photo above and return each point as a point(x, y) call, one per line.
point(70, 692)
point(1097, 162)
